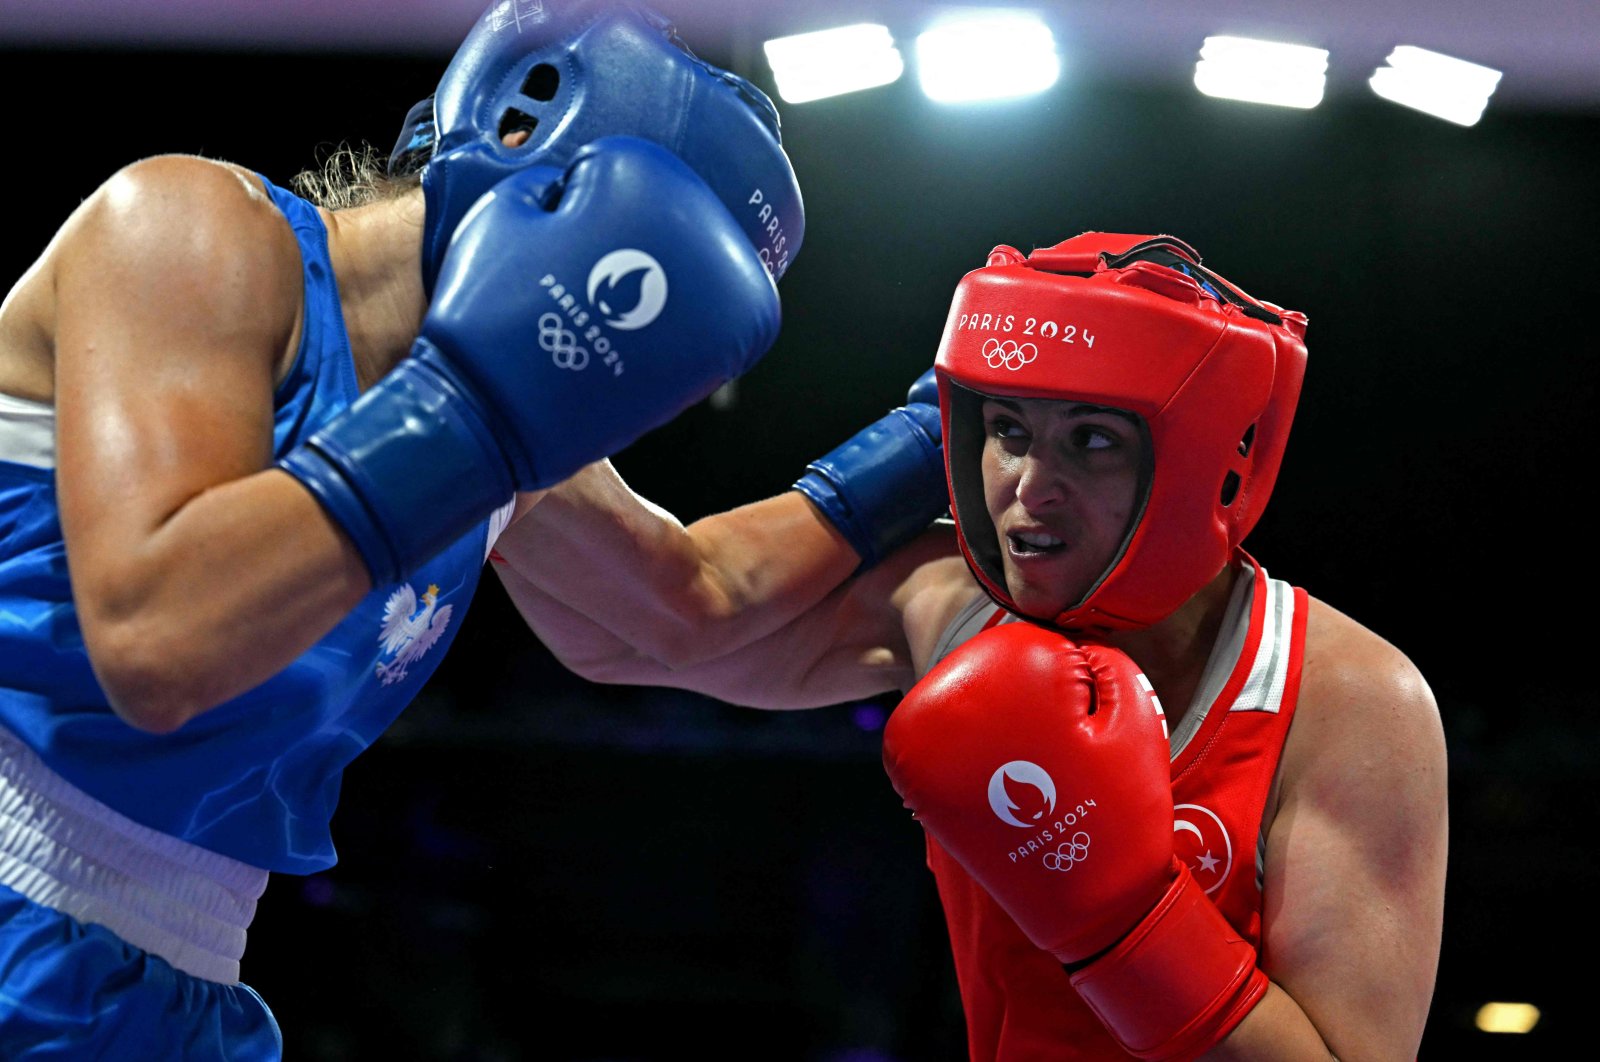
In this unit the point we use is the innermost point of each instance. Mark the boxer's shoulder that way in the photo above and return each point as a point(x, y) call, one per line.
point(184, 232)
point(1361, 700)
point(185, 210)
point(1347, 661)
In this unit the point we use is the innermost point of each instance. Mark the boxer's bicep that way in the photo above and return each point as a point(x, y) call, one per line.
point(1359, 842)
point(178, 293)
point(164, 358)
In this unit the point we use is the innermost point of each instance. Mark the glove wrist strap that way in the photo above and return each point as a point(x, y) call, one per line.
point(882, 487)
point(1179, 983)
point(409, 468)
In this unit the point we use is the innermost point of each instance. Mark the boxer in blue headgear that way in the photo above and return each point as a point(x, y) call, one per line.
point(567, 72)
point(239, 407)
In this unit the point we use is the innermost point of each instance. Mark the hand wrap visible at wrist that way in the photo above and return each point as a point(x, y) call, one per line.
point(406, 470)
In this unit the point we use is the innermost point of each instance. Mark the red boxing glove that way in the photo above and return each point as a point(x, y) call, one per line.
point(1042, 767)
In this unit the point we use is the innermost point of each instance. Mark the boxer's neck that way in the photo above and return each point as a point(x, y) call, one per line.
point(376, 251)
point(1173, 654)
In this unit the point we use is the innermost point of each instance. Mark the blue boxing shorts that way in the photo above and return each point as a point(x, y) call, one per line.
point(75, 991)
point(117, 942)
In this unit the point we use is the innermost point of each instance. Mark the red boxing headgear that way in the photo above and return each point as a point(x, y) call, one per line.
point(1135, 323)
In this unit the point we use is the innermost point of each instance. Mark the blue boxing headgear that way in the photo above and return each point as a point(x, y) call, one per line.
point(571, 71)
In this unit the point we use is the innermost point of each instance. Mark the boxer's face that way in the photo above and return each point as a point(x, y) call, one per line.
point(1061, 481)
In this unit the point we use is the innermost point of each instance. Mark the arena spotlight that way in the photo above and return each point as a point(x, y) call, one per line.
point(1452, 89)
point(986, 57)
point(1283, 75)
point(812, 66)
point(1507, 1017)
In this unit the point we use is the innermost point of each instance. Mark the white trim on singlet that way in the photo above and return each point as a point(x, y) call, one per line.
point(1224, 658)
point(499, 520)
point(1269, 673)
point(1269, 668)
point(27, 432)
point(65, 850)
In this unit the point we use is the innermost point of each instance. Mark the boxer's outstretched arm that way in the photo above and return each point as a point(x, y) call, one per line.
point(651, 586)
point(683, 595)
point(864, 638)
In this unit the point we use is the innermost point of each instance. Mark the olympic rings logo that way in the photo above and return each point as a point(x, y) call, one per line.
point(1069, 853)
point(562, 344)
point(1008, 353)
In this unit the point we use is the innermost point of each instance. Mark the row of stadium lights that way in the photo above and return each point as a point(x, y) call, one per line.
point(1018, 57)
point(1017, 54)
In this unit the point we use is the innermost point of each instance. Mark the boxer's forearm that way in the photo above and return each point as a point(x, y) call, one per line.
point(1277, 1030)
point(827, 656)
point(681, 595)
point(222, 595)
point(578, 642)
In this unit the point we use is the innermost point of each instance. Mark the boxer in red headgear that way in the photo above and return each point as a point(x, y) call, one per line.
point(1136, 324)
point(1174, 807)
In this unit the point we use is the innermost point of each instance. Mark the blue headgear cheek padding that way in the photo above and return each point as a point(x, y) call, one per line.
point(572, 71)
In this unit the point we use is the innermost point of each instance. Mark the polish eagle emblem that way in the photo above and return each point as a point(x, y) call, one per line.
point(409, 631)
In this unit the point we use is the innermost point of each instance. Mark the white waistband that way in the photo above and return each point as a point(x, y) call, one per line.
point(66, 850)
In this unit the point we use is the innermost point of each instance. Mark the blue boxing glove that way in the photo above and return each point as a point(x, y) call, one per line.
point(573, 313)
point(886, 484)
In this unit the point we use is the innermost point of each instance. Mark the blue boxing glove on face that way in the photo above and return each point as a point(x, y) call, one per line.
point(574, 312)
point(886, 484)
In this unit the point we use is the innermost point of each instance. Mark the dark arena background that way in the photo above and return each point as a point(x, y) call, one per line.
point(534, 867)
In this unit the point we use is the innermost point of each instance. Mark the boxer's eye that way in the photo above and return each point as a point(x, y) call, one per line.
point(1003, 427)
point(1088, 437)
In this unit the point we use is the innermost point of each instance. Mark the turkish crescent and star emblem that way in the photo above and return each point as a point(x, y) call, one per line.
point(1201, 840)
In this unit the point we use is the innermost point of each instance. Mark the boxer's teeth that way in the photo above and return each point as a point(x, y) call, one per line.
point(1034, 542)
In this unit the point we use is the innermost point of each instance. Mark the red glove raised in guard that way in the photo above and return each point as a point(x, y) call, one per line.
point(1042, 766)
